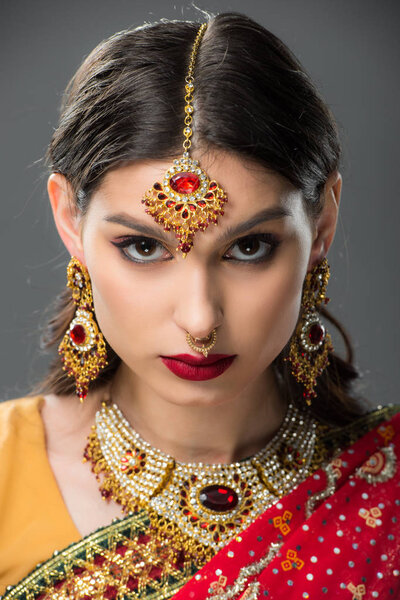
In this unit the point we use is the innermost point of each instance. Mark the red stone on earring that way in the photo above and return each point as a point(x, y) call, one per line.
point(316, 333)
point(78, 334)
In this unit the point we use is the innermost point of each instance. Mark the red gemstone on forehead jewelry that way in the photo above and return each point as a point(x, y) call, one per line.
point(78, 334)
point(157, 186)
point(218, 498)
point(213, 185)
point(185, 214)
point(162, 196)
point(184, 183)
point(201, 203)
point(185, 248)
point(316, 333)
point(170, 203)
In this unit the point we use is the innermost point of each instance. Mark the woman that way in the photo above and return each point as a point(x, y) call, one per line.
point(225, 455)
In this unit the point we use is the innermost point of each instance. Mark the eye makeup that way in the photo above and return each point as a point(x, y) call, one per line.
point(267, 244)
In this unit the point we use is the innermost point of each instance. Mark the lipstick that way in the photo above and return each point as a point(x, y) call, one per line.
point(198, 368)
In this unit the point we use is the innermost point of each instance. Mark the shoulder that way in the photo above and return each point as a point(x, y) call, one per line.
point(385, 420)
point(20, 418)
point(20, 408)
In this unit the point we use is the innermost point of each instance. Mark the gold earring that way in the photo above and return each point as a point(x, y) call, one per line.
point(206, 344)
point(187, 199)
point(311, 343)
point(83, 349)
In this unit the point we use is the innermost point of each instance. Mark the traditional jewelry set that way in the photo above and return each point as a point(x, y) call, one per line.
point(202, 505)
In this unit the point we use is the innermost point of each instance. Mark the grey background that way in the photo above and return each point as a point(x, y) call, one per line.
point(351, 49)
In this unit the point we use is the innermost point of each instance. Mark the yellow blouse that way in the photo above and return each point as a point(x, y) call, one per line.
point(34, 521)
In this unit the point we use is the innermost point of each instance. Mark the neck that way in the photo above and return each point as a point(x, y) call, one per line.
point(228, 431)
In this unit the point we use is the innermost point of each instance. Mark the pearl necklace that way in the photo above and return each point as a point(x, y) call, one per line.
point(209, 503)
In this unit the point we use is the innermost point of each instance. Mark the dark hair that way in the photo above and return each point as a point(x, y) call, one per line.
point(252, 98)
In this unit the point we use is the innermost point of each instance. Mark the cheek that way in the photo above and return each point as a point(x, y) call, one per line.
point(269, 315)
point(127, 308)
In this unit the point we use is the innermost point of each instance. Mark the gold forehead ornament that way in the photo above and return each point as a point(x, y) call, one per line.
point(186, 200)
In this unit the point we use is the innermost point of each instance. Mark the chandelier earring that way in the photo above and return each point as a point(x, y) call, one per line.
point(83, 349)
point(311, 343)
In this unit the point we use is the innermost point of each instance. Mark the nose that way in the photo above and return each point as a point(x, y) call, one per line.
point(198, 307)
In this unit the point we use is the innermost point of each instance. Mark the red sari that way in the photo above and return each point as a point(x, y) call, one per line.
point(336, 536)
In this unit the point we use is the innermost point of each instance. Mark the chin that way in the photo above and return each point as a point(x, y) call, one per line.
point(197, 400)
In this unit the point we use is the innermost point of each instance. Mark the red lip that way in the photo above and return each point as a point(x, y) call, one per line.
point(199, 360)
point(198, 370)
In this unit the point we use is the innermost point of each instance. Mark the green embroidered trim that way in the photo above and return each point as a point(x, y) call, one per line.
point(68, 562)
point(342, 437)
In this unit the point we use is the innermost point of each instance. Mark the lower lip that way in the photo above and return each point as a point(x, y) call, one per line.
point(194, 373)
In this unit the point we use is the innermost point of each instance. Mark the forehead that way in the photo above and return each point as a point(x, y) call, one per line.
point(239, 177)
point(250, 189)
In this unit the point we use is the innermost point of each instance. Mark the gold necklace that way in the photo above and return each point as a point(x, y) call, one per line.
point(205, 504)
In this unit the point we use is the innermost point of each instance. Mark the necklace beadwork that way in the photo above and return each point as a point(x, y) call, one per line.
point(207, 503)
point(186, 199)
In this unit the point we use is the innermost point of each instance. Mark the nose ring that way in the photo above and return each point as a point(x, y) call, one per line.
point(206, 343)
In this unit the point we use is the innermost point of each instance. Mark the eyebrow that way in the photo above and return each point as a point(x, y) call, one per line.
point(267, 214)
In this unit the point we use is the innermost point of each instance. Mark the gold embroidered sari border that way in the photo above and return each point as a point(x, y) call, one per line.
point(42, 579)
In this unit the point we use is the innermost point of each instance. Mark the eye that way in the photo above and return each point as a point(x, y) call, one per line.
point(139, 249)
point(254, 248)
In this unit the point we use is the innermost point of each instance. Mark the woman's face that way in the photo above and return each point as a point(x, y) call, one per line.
point(247, 285)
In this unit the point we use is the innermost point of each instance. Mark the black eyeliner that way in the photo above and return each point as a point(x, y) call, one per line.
point(130, 240)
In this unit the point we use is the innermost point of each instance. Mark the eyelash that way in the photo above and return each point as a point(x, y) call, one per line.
point(267, 238)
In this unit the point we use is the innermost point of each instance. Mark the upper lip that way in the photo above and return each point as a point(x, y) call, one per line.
point(199, 360)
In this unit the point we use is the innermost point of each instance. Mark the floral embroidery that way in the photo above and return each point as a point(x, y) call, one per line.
point(358, 591)
point(218, 586)
point(386, 432)
point(292, 561)
point(379, 467)
point(372, 517)
point(283, 522)
point(337, 464)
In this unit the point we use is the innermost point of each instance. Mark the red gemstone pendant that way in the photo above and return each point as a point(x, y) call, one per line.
point(78, 334)
point(184, 183)
point(316, 333)
point(218, 498)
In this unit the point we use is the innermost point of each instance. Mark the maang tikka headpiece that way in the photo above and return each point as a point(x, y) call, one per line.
point(186, 200)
